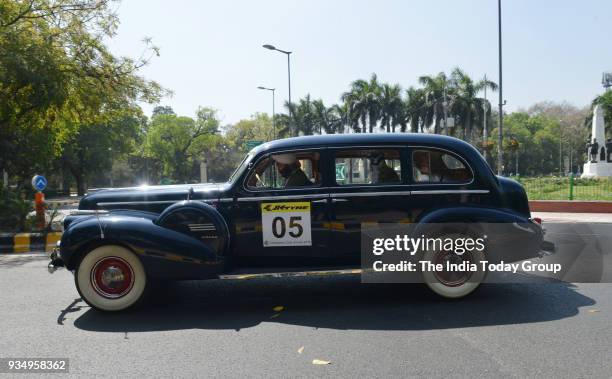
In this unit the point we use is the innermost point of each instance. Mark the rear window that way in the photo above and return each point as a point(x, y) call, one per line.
point(434, 166)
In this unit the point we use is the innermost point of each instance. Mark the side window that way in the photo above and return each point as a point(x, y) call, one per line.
point(368, 166)
point(287, 170)
point(433, 166)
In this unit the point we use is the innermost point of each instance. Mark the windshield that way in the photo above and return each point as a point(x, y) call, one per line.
point(241, 167)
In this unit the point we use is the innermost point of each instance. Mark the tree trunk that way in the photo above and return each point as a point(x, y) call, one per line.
point(80, 184)
point(468, 126)
point(364, 124)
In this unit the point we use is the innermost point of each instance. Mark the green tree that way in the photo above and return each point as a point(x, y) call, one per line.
point(56, 75)
point(257, 128)
point(93, 148)
point(179, 142)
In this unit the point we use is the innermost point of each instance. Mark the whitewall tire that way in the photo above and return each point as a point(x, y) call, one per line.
point(451, 284)
point(111, 278)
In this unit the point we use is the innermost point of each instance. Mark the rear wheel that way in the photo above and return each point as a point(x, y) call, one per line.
point(111, 278)
point(454, 284)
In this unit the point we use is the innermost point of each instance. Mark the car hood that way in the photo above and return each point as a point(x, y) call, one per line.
point(124, 197)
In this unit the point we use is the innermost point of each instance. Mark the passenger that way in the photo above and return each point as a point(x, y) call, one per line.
point(289, 168)
point(381, 173)
point(422, 168)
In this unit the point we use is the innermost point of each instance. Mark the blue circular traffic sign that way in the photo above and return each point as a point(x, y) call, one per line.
point(39, 182)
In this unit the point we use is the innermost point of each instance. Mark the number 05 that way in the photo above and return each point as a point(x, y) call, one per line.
point(279, 223)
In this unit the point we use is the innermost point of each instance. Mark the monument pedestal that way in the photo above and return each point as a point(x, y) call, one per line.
point(592, 170)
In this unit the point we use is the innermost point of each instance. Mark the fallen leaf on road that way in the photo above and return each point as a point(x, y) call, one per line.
point(278, 308)
point(301, 350)
point(275, 315)
point(320, 362)
point(593, 310)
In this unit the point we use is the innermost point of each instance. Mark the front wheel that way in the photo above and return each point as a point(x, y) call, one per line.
point(111, 278)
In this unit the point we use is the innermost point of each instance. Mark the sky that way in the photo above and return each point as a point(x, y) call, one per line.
point(212, 55)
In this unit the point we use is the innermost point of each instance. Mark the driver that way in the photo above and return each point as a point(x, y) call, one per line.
point(289, 168)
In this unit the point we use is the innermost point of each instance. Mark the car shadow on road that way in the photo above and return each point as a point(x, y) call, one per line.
point(336, 303)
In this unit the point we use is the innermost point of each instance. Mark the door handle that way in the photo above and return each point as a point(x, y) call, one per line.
point(339, 200)
point(319, 201)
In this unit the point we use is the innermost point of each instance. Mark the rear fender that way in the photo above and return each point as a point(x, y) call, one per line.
point(508, 235)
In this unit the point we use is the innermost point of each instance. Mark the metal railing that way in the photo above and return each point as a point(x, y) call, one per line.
point(567, 188)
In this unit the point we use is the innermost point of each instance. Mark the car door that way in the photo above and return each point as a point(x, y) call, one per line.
point(441, 178)
point(272, 220)
point(360, 196)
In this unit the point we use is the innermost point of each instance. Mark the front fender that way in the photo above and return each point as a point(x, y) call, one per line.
point(163, 252)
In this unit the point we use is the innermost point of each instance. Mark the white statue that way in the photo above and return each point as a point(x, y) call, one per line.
point(598, 166)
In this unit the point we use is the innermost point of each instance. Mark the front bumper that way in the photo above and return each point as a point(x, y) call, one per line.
point(55, 261)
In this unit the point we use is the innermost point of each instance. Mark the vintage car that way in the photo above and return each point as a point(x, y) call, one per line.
point(292, 205)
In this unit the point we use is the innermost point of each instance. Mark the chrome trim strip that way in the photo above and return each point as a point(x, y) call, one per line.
point(449, 192)
point(138, 202)
point(226, 200)
point(361, 194)
point(287, 197)
point(151, 202)
point(87, 212)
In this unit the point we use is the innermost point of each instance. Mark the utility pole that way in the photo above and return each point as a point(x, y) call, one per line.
point(444, 105)
point(500, 158)
point(560, 148)
point(484, 117)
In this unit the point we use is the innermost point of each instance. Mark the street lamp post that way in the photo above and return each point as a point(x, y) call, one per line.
point(288, 53)
point(273, 110)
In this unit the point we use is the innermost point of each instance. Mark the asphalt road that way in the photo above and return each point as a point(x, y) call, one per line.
point(228, 328)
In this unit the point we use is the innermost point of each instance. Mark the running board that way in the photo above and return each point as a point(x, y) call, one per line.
point(290, 274)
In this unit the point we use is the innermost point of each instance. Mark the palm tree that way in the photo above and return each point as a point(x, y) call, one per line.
point(362, 102)
point(415, 109)
point(434, 87)
point(391, 106)
point(301, 115)
point(466, 105)
point(330, 120)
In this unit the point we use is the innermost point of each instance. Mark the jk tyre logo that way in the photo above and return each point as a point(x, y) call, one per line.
point(285, 207)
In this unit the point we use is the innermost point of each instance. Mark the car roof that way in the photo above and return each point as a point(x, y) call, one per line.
point(356, 139)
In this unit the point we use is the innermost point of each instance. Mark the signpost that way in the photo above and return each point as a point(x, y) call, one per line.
point(340, 172)
point(252, 144)
point(39, 183)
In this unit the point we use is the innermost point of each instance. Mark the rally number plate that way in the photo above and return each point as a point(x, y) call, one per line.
point(286, 224)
